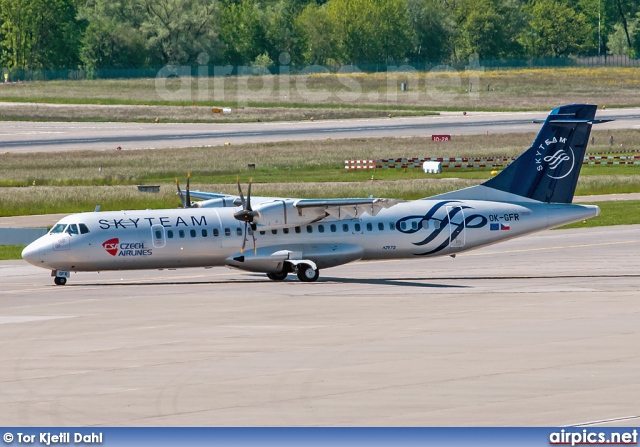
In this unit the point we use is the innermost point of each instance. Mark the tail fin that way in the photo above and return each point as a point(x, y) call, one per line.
point(548, 171)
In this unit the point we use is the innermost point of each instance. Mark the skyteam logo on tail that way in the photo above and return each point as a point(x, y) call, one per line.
point(560, 162)
point(557, 161)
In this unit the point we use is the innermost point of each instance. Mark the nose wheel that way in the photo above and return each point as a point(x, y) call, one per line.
point(59, 281)
point(60, 277)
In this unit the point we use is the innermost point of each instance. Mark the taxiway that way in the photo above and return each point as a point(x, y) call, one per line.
point(542, 330)
point(20, 137)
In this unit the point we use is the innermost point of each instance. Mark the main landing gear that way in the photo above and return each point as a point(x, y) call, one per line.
point(305, 273)
point(277, 276)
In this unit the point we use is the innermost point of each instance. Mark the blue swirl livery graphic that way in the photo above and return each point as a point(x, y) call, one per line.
point(447, 225)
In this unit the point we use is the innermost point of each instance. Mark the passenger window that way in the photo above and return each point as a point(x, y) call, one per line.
point(169, 234)
point(72, 229)
point(158, 234)
point(320, 228)
point(380, 226)
point(227, 231)
point(204, 233)
point(309, 229)
point(83, 229)
point(274, 231)
point(369, 227)
point(436, 224)
point(58, 228)
point(425, 224)
point(357, 226)
point(414, 225)
point(181, 233)
point(298, 229)
point(216, 232)
point(403, 225)
point(392, 225)
point(345, 228)
point(285, 230)
point(239, 231)
point(192, 233)
point(333, 228)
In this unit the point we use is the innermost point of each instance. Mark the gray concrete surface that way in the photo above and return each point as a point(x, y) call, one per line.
point(34, 221)
point(19, 137)
point(20, 236)
point(541, 330)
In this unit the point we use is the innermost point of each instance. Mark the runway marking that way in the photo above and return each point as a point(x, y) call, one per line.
point(604, 421)
point(551, 248)
point(30, 318)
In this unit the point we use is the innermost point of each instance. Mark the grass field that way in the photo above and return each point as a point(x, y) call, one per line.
point(323, 95)
point(9, 252)
point(296, 169)
point(305, 161)
point(622, 212)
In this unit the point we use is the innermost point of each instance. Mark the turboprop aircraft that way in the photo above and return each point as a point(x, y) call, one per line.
point(303, 236)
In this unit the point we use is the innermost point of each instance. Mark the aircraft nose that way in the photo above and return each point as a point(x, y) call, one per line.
point(32, 253)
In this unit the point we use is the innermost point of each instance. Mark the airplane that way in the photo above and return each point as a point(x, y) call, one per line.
point(303, 236)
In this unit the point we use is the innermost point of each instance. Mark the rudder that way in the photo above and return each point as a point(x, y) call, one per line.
point(548, 171)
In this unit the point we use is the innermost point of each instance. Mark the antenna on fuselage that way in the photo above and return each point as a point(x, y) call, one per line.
point(96, 209)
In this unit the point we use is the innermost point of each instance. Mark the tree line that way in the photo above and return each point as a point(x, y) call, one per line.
point(50, 34)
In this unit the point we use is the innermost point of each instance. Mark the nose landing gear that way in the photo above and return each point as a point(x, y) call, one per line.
point(60, 277)
point(59, 281)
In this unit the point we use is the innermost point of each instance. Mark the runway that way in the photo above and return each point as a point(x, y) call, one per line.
point(20, 137)
point(538, 331)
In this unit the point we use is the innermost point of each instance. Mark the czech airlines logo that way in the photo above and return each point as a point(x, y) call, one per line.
point(557, 161)
point(115, 248)
point(112, 246)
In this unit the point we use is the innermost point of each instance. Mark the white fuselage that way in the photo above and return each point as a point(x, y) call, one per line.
point(206, 237)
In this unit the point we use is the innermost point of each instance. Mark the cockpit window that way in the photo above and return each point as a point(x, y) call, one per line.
point(72, 229)
point(83, 229)
point(58, 228)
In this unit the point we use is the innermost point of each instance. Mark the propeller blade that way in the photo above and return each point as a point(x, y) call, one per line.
point(180, 192)
point(249, 196)
point(241, 196)
point(188, 199)
point(255, 247)
point(244, 239)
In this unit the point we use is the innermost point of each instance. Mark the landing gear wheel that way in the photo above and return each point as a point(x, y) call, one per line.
point(60, 281)
point(307, 274)
point(277, 276)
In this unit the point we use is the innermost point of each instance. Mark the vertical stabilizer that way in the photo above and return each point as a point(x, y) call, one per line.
point(548, 171)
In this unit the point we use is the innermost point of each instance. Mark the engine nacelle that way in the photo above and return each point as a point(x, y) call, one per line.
point(218, 203)
point(282, 214)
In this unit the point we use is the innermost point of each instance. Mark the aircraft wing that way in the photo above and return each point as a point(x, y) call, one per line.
point(340, 208)
point(203, 195)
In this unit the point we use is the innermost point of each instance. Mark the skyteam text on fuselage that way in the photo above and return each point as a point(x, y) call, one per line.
point(278, 236)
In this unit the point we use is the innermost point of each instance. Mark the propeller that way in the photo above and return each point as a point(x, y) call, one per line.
point(186, 201)
point(247, 215)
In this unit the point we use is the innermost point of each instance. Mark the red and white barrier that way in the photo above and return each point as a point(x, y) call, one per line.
point(481, 162)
